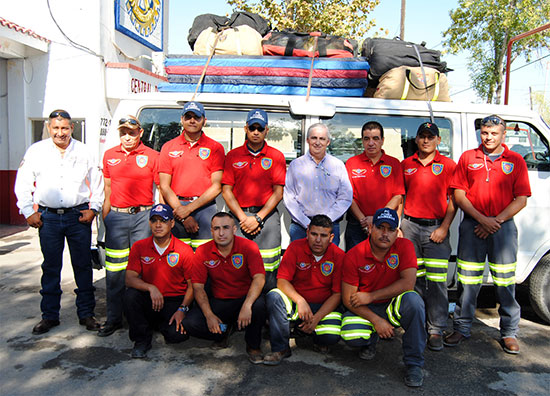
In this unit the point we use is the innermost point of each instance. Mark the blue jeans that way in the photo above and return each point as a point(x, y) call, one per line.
point(55, 229)
point(296, 231)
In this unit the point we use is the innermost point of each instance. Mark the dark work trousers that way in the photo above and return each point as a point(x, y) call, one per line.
point(121, 231)
point(431, 277)
point(142, 320)
point(228, 312)
point(354, 234)
point(55, 229)
point(203, 216)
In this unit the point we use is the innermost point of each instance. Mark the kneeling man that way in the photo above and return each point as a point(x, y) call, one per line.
point(378, 280)
point(235, 271)
point(308, 291)
point(158, 278)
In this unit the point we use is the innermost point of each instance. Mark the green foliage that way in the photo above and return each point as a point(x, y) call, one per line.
point(484, 27)
point(348, 18)
point(541, 105)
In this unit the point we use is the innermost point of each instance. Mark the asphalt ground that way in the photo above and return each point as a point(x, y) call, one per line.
point(69, 360)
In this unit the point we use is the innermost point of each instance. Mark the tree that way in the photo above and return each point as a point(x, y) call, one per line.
point(541, 105)
point(348, 18)
point(484, 27)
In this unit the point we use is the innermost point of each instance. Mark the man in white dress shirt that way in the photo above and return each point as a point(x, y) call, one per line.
point(62, 177)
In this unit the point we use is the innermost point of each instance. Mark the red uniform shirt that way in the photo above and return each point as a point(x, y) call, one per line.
point(253, 177)
point(169, 272)
point(230, 276)
point(374, 184)
point(314, 280)
point(132, 175)
point(191, 167)
point(363, 270)
point(427, 186)
point(491, 186)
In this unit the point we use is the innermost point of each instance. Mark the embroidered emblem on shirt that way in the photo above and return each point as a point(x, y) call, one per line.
point(367, 268)
point(410, 171)
point(393, 261)
point(113, 161)
point(141, 160)
point(437, 169)
point(237, 260)
point(475, 166)
point(147, 259)
point(385, 170)
point(172, 259)
point(507, 167)
point(240, 164)
point(358, 172)
point(303, 266)
point(175, 154)
point(204, 153)
point(266, 163)
point(212, 263)
point(327, 267)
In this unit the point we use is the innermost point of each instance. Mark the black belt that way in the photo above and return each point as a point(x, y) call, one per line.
point(61, 211)
point(424, 222)
point(187, 198)
point(252, 209)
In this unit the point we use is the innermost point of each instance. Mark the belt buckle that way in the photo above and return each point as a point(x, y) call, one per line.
point(60, 211)
point(133, 209)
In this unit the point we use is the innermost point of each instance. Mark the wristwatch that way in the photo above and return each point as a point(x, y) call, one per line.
point(259, 220)
point(183, 308)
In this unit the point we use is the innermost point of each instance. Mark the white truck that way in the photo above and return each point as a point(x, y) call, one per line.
point(290, 116)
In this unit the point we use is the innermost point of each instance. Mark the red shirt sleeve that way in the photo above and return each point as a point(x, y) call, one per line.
point(218, 158)
point(165, 165)
point(155, 155)
point(134, 259)
point(337, 276)
point(287, 268)
point(407, 255)
point(350, 274)
point(228, 176)
point(106, 172)
point(199, 272)
point(460, 177)
point(398, 182)
point(521, 184)
point(279, 173)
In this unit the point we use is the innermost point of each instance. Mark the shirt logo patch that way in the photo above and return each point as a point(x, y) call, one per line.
point(367, 268)
point(141, 160)
point(327, 267)
point(172, 259)
point(237, 260)
point(437, 169)
point(266, 163)
point(385, 170)
point(507, 167)
point(240, 164)
point(475, 166)
point(204, 153)
point(393, 261)
point(175, 154)
point(358, 172)
point(303, 266)
point(113, 161)
point(410, 171)
point(147, 259)
point(211, 263)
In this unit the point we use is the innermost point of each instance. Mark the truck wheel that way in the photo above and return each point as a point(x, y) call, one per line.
point(539, 288)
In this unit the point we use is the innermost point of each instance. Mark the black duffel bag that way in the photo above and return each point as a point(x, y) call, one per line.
point(385, 54)
point(217, 23)
point(292, 43)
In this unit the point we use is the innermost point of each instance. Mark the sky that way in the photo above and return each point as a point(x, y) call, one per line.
point(421, 24)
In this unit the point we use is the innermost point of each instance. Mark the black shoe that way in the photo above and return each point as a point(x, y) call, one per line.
point(368, 352)
point(108, 328)
point(414, 376)
point(44, 326)
point(90, 322)
point(140, 351)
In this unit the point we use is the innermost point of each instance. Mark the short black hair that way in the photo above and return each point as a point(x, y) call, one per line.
point(371, 125)
point(321, 220)
point(222, 214)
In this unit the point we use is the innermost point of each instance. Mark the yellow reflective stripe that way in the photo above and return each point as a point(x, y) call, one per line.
point(470, 266)
point(270, 253)
point(436, 93)
point(419, 261)
point(436, 263)
point(356, 333)
point(405, 89)
point(436, 277)
point(288, 303)
point(392, 320)
point(349, 320)
point(470, 280)
point(115, 267)
point(185, 240)
point(195, 243)
point(504, 281)
point(503, 268)
point(327, 329)
point(332, 315)
point(117, 253)
point(421, 273)
point(272, 266)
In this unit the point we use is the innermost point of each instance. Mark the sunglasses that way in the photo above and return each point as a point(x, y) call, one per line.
point(130, 121)
point(492, 120)
point(256, 128)
point(62, 114)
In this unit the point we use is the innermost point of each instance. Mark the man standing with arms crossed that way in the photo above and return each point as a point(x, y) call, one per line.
point(131, 173)
point(253, 180)
point(316, 183)
point(491, 186)
point(429, 212)
point(63, 178)
point(377, 183)
point(190, 171)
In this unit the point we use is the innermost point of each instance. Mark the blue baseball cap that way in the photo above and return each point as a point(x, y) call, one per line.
point(195, 107)
point(386, 215)
point(163, 211)
point(257, 116)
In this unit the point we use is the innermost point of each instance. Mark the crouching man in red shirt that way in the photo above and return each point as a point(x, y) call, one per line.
point(158, 278)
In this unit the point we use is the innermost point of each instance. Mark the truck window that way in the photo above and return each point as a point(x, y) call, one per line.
point(225, 126)
point(399, 134)
point(40, 130)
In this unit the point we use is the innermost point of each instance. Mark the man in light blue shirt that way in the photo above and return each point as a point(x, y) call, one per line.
point(316, 183)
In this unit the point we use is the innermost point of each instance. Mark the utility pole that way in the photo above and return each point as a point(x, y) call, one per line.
point(402, 27)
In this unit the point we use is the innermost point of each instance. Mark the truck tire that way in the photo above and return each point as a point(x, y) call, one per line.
point(539, 288)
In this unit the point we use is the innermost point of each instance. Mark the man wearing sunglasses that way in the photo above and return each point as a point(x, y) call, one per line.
point(253, 180)
point(190, 171)
point(61, 177)
point(491, 186)
point(131, 174)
